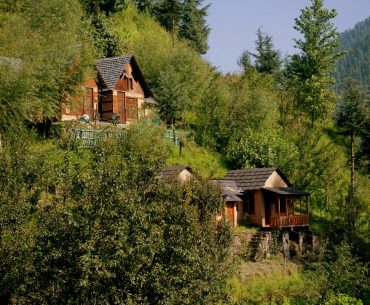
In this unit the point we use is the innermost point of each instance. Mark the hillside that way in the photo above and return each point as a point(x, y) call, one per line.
point(100, 225)
point(356, 62)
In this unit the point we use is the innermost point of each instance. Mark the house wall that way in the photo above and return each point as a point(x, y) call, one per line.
point(275, 180)
point(135, 93)
point(184, 175)
point(240, 213)
point(259, 208)
point(73, 108)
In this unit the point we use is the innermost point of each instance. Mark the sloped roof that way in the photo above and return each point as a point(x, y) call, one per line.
point(171, 173)
point(252, 178)
point(287, 191)
point(110, 70)
point(228, 187)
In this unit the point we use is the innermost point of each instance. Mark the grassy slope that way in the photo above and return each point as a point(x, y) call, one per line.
point(204, 162)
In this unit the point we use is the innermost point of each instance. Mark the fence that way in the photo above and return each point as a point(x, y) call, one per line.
point(171, 136)
point(91, 137)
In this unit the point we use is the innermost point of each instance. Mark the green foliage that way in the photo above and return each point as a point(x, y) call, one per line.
point(204, 162)
point(352, 110)
point(356, 62)
point(168, 13)
point(338, 271)
point(267, 60)
point(193, 25)
point(245, 62)
point(105, 40)
point(275, 288)
point(176, 74)
point(54, 67)
point(261, 149)
point(343, 299)
point(101, 227)
point(16, 92)
point(310, 71)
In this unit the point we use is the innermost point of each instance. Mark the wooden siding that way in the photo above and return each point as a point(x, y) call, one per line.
point(74, 107)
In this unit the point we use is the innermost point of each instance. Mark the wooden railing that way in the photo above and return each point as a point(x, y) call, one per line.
point(290, 221)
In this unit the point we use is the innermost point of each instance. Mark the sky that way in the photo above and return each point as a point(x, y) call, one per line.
point(234, 24)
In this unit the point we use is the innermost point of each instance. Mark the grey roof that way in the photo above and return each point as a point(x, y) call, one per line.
point(232, 197)
point(228, 187)
point(287, 191)
point(171, 173)
point(110, 70)
point(252, 178)
point(230, 191)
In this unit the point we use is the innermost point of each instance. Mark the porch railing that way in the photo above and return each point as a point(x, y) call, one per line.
point(290, 221)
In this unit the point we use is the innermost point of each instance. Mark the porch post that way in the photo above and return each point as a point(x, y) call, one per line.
point(307, 208)
point(286, 206)
point(279, 210)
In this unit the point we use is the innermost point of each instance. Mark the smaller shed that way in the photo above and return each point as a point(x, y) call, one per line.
point(176, 173)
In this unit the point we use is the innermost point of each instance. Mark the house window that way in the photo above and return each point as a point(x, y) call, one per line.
point(248, 203)
point(130, 84)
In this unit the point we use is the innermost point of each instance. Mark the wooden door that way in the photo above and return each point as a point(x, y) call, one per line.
point(230, 212)
point(89, 102)
point(267, 211)
point(121, 106)
point(132, 110)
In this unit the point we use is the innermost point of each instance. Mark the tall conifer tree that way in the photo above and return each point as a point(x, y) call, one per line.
point(310, 71)
point(193, 25)
point(267, 60)
point(168, 13)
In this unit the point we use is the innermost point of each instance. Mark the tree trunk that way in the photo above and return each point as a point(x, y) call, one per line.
point(173, 32)
point(352, 165)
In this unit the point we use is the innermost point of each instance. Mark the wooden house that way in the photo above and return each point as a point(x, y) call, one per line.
point(268, 200)
point(119, 93)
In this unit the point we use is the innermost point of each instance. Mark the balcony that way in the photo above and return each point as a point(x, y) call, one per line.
point(290, 221)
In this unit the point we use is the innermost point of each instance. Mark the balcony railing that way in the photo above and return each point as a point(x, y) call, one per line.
point(290, 221)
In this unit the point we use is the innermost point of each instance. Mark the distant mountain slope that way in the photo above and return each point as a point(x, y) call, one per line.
point(356, 63)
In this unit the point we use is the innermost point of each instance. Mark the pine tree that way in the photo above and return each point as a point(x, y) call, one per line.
point(245, 62)
point(193, 25)
point(168, 13)
point(267, 60)
point(351, 117)
point(310, 71)
point(145, 5)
